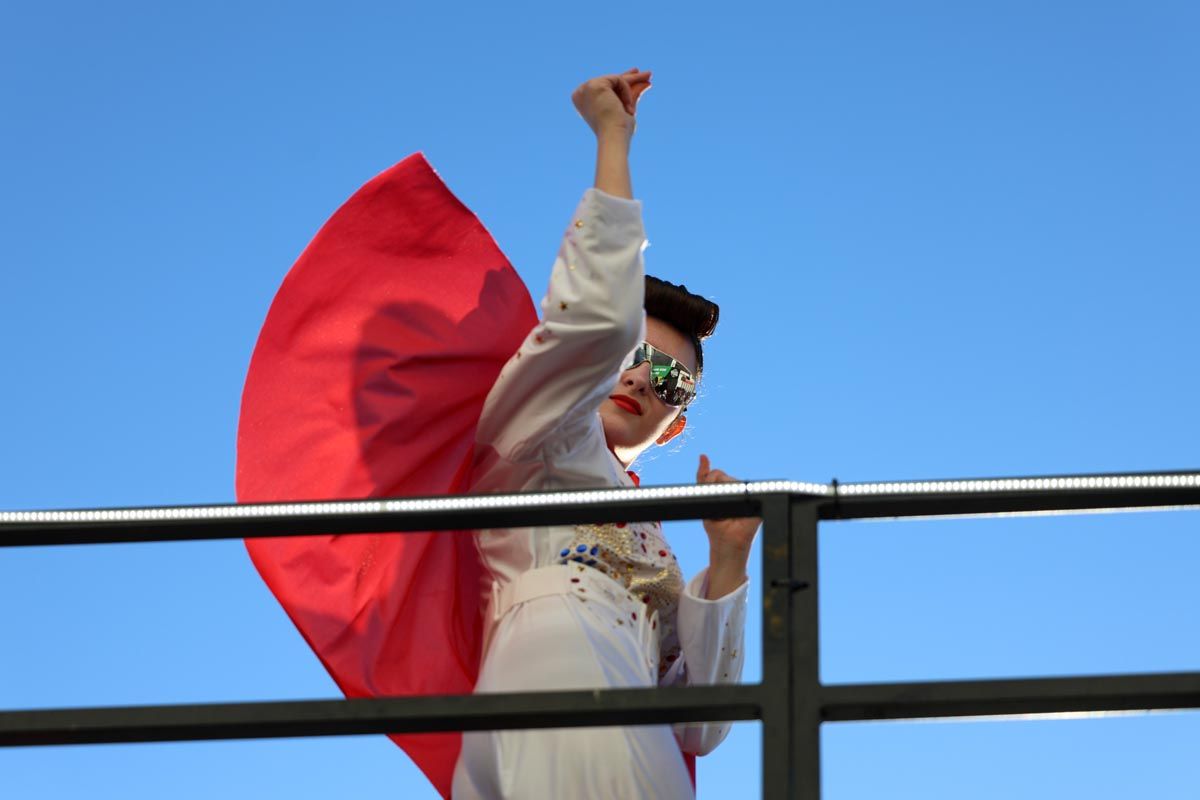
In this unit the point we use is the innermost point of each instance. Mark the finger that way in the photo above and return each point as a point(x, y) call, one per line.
point(719, 476)
point(703, 468)
point(626, 95)
point(638, 82)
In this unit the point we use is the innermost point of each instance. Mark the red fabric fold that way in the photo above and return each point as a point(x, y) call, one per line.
point(367, 380)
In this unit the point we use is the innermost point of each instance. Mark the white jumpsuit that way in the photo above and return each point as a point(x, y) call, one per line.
point(586, 606)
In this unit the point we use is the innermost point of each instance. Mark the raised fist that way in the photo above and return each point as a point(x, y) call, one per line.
point(610, 101)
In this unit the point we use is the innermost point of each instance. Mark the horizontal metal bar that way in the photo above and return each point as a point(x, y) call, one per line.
point(906, 507)
point(464, 512)
point(988, 496)
point(380, 715)
point(468, 512)
point(894, 701)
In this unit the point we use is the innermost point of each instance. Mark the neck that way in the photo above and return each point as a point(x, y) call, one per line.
point(624, 455)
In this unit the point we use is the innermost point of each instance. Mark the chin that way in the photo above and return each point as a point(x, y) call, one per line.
point(618, 432)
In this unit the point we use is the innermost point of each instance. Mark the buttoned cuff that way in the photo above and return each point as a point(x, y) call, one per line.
point(711, 632)
point(696, 590)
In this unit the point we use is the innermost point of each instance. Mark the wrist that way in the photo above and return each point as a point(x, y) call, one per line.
point(723, 578)
point(729, 557)
point(614, 133)
point(612, 164)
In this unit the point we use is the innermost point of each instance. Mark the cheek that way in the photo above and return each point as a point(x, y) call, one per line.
point(659, 419)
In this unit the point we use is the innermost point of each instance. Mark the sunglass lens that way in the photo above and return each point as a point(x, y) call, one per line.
point(677, 387)
point(637, 356)
point(672, 383)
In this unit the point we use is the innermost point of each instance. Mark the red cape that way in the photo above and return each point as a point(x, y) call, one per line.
point(367, 380)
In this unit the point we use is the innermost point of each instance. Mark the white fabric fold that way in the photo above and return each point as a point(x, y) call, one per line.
point(540, 430)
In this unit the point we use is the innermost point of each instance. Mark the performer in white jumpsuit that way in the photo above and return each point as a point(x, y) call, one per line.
point(590, 606)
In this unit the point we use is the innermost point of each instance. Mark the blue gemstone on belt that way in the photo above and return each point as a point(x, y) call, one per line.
point(565, 551)
point(581, 549)
point(577, 558)
point(591, 562)
point(595, 549)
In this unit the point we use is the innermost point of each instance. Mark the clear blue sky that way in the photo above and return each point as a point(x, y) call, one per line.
point(948, 239)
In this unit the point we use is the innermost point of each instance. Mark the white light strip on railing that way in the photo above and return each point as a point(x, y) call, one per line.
point(1163, 481)
point(598, 496)
point(450, 503)
point(1035, 716)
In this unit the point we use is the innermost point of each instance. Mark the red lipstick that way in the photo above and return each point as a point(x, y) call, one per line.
point(627, 403)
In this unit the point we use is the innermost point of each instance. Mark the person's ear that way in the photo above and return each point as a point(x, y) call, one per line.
point(674, 430)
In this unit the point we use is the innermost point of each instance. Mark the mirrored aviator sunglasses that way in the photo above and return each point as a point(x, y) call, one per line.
point(670, 380)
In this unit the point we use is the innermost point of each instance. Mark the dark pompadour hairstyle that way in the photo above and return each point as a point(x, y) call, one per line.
point(690, 314)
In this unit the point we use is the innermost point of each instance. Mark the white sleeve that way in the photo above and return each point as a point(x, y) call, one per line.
point(592, 318)
point(711, 638)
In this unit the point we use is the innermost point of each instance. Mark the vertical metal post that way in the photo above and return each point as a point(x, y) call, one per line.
point(805, 642)
point(777, 678)
point(791, 712)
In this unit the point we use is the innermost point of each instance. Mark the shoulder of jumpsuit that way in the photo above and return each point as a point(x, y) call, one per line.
point(577, 457)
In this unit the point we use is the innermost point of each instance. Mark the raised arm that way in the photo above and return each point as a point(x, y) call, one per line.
point(608, 105)
point(592, 313)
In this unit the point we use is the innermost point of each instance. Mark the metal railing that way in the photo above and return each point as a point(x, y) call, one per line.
point(790, 701)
